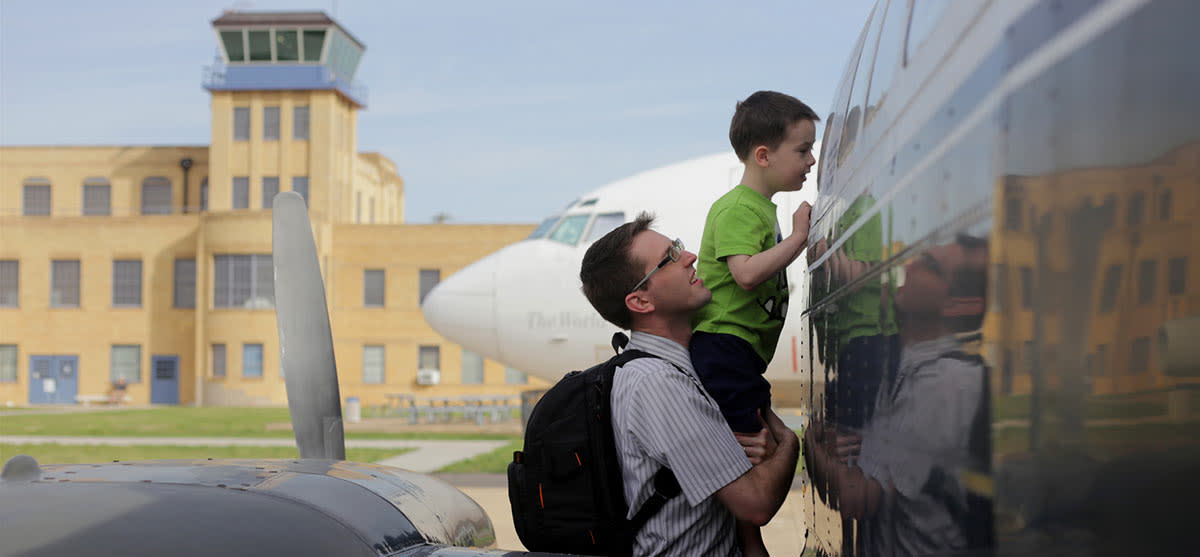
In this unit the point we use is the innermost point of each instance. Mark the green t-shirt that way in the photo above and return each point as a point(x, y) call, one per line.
point(741, 222)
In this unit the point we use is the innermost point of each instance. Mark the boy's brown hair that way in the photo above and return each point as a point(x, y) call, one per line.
point(609, 271)
point(763, 119)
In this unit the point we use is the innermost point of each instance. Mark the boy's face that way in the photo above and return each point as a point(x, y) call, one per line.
point(788, 164)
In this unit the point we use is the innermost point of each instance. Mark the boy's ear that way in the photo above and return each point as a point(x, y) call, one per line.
point(639, 302)
point(760, 156)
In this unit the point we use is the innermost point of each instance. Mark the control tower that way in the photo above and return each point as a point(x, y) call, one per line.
point(284, 113)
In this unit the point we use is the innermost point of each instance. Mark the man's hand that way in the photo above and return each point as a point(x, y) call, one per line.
point(800, 220)
point(758, 446)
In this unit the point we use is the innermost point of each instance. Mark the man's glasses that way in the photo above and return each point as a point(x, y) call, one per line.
point(673, 254)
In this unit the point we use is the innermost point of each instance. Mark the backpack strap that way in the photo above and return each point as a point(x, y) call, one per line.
point(665, 488)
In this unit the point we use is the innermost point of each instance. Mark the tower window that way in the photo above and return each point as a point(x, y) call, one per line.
point(241, 123)
point(260, 46)
point(271, 123)
point(287, 46)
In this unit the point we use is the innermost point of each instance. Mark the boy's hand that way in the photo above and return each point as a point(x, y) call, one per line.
point(800, 219)
point(758, 446)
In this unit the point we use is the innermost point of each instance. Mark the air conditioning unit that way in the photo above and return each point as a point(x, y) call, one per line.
point(429, 377)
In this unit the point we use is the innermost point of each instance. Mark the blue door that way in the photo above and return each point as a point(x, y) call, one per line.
point(164, 380)
point(53, 379)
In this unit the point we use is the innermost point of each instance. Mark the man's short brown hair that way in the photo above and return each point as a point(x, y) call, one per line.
point(609, 271)
point(763, 119)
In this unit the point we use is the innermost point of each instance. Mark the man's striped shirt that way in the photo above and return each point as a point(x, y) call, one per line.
point(662, 416)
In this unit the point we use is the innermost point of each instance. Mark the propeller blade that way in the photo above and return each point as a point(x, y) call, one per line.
point(305, 340)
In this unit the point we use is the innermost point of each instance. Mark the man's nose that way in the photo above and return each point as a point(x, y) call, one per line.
point(689, 258)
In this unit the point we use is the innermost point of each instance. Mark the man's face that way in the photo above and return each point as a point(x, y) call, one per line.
point(927, 279)
point(675, 287)
point(789, 163)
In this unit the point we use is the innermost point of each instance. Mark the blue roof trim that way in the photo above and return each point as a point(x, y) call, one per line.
point(272, 77)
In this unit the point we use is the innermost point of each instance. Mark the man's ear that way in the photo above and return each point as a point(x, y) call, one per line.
point(759, 154)
point(639, 302)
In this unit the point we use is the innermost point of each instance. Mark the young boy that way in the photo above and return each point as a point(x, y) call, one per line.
point(743, 258)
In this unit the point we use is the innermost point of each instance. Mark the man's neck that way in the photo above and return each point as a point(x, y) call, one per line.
point(755, 181)
point(677, 330)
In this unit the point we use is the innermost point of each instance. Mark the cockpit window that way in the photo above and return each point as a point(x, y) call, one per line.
point(570, 229)
point(604, 223)
point(543, 228)
point(588, 202)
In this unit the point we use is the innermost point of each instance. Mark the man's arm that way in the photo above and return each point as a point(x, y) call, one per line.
point(758, 494)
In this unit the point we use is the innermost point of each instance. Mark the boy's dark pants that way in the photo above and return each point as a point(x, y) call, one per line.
point(732, 373)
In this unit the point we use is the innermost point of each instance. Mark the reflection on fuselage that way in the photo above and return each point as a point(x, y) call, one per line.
point(1007, 319)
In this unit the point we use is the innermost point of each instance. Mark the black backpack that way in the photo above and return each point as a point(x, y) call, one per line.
point(565, 487)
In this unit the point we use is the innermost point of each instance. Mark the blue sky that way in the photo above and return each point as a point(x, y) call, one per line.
point(493, 112)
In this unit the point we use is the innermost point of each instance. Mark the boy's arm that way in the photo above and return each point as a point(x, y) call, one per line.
point(749, 271)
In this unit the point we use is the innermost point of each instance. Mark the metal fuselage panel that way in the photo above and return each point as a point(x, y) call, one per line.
point(1005, 303)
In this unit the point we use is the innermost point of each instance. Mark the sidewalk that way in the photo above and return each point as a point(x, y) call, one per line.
point(430, 454)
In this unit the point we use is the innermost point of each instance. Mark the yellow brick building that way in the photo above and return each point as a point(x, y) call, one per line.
point(153, 263)
point(1088, 267)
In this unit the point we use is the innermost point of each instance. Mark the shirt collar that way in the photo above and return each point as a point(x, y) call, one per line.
point(662, 347)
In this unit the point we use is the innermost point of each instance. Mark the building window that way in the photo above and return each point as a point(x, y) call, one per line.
point(1177, 276)
point(314, 42)
point(185, 283)
point(260, 45)
point(300, 122)
point(287, 46)
point(1000, 290)
point(204, 194)
point(1012, 214)
point(233, 45)
point(252, 360)
point(373, 288)
point(1026, 288)
point(1137, 206)
point(1139, 355)
point(472, 368)
point(358, 207)
point(373, 368)
point(97, 197)
point(126, 363)
point(218, 360)
point(127, 283)
point(36, 197)
point(241, 192)
point(156, 196)
point(10, 283)
point(371, 211)
point(300, 186)
point(1147, 277)
point(64, 283)
point(1112, 283)
point(429, 357)
point(270, 187)
point(1030, 356)
point(243, 281)
point(8, 363)
point(1164, 206)
point(514, 377)
point(241, 123)
point(429, 278)
point(1099, 363)
point(271, 123)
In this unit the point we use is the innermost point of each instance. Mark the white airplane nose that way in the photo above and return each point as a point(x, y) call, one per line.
point(463, 308)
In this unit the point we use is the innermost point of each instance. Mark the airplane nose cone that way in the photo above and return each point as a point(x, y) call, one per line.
point(463, 308)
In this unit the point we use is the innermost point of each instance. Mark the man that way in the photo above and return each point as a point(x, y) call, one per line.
point(930, 428)
point(640, 280)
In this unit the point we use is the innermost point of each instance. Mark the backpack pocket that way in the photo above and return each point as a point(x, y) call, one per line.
point(516, 498)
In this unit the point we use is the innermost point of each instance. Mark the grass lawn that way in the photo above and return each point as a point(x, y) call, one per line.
point(495, 462)
point(185, 421)
point(72, 454)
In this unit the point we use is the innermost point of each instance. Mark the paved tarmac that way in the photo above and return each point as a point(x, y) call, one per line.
point(430, 455)
point(784, 536)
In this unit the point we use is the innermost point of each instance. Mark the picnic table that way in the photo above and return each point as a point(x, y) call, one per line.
point(478, 408)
